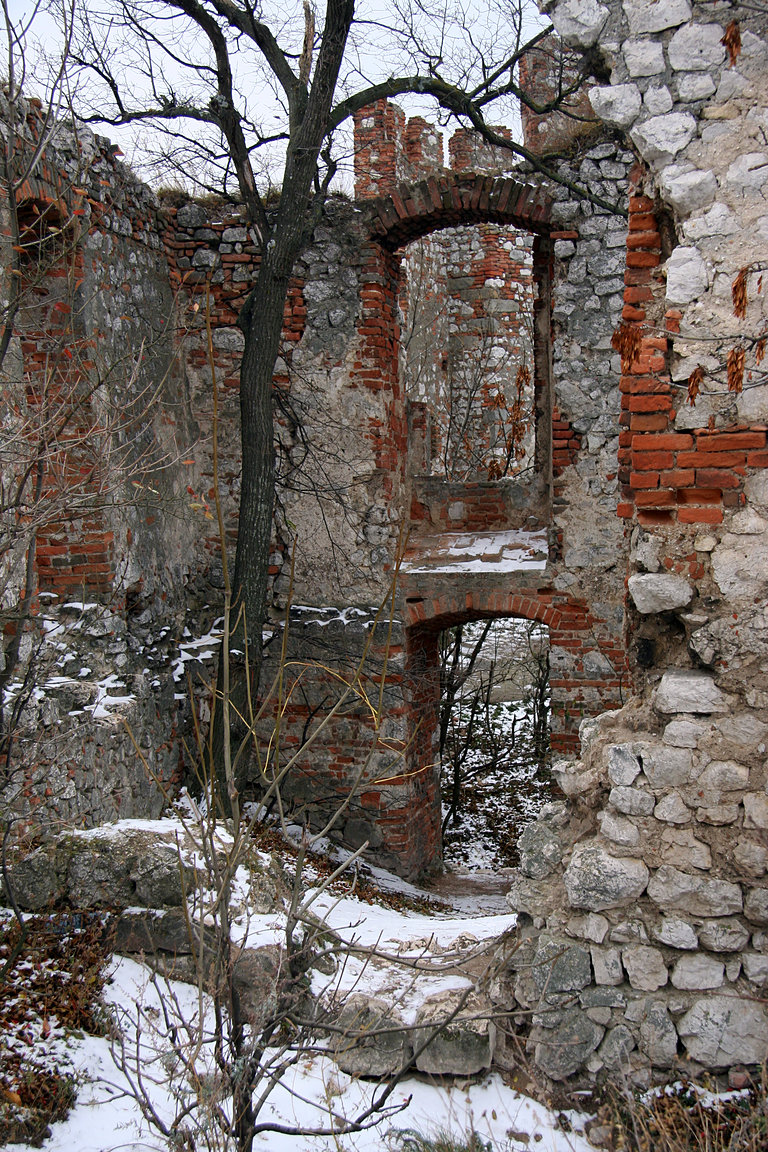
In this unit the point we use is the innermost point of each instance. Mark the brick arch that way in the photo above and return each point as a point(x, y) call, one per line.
point(443, 611)
point(414, 210)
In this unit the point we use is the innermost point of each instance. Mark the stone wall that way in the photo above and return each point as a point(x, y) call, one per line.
point(645, 895)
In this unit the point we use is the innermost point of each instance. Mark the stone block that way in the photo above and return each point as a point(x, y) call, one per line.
point(623, 764)
point(632, 801)
point(563, 1048)
point(673, 890)
point(540, 851)
point(661, 138)
point(672, 810)
point(606, 964)
point(659, 592)
point(723, 935)
point(618, 105)
point(679, 846)
point(681, 690)
point(697, 973)
point(646, 58)
point(579, 22)
point(619, 830)
point(658, 1035)
point(465, 1045)
point(596, 880)
point(756, 905)
point(655, 15)
point(676, 933)
point(372, 1039)
point(688, 191)
point(645, 967)
point(696, 48)
point(719, 1031)
point(687, 275)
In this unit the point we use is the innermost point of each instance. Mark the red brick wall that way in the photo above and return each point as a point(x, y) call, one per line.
point(669, 476)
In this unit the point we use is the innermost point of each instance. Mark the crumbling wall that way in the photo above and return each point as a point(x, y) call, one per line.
point(645, 895)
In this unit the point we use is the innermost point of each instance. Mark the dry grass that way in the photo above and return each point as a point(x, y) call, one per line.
point(684, 1118)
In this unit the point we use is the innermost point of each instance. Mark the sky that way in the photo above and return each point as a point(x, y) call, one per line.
point(375, 51)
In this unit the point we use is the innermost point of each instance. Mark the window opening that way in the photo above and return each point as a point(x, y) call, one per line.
point(466, 305)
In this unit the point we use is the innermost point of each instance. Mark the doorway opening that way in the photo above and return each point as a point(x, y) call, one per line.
point(494, 745)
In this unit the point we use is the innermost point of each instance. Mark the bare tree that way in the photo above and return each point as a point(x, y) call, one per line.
point(260, 94)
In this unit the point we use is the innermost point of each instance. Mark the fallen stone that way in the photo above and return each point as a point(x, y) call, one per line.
point(688, 691)
point(659, 592)
point(373, 1039)
point(465, 1045)
point(596, 880)
point(719, 1031)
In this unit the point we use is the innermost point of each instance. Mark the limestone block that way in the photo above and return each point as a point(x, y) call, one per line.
point(373, 1040)
point(723, 935)
point(756, 905)
point(645, 967)
point(680, 847)
point(755, 810)
point(562, 1049)
point(661, 138)
point(618, 105)
point(623, 764)
point(191, 216)
point(35, 881)
point(658, 100)
point(683, 733)
point(722, 1030)
point(655, 15)
point(718, 814)
point(696, 48)
point(658, 1035)
point(659, 591)
point(694, 86)
point(596, 880)
point(579, 22)
point(672, 809)
point(632, 801)
point(724, 776)
point(718, 221)
point(592, 927)
point(645, 58)
point(756, 967)
point(666, 768)
point(746, 176)
point(673, 890)
point(687, 276)
point(690, 191)
point(752, 858)
point(540, 851)
point(697, 973)
point(681, 690)
point(616, 1047)
point(559, 966)
point(463, 1047)
point(621, 831)
point(676, 933)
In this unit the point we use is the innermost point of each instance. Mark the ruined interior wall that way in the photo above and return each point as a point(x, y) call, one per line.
point(646, 898)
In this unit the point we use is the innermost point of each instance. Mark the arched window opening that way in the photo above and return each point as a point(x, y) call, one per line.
point(495, 763)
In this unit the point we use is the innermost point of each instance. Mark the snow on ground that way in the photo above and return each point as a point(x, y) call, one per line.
point(107, 1119)
point(515, 550)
